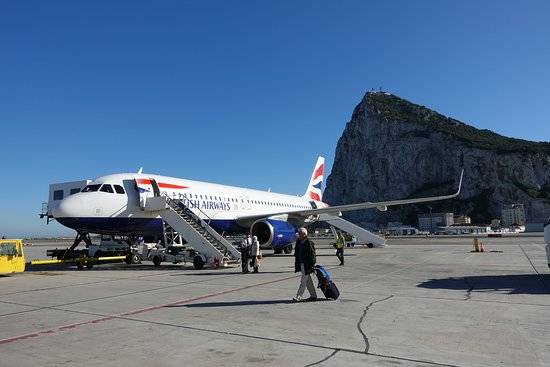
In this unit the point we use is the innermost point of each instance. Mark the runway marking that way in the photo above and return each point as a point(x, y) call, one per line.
point(134, 312)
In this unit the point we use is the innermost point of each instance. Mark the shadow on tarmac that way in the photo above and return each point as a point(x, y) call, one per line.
point(245, 303)
point(317, 255)
point(106, 266)
point(511, 284)
point(237, 271)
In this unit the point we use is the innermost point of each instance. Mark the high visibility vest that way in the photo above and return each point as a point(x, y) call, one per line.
point(340, 242)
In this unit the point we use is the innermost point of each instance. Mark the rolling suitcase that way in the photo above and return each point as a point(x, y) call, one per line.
point(327, 286)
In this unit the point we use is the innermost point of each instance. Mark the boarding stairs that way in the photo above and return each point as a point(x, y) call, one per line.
point(198, 233)
point(362, 235)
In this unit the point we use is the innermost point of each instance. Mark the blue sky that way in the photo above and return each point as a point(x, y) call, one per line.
point(244, 93)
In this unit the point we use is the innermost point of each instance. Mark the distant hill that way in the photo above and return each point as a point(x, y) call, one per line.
point(397, 109)
point(393, 148)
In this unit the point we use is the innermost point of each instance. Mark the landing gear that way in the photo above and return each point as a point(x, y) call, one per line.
point(288, 250)
point(277, 251)
point(70, 253)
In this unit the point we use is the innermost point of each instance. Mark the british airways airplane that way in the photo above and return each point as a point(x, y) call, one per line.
point(116, 204)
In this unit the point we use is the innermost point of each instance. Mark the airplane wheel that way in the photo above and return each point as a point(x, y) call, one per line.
point(288, 250)
point(128, 259)
point(136, 259)
point(370, 245)
point(198, 264)
point(89, 264)
point(79, 266)
point(156, 260)
point(277, 251)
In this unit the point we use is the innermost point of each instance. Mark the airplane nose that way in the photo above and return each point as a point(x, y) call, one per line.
point(60, 211)
point(67, 208)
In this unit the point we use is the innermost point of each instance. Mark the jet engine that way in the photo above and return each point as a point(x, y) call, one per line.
point(273, 233)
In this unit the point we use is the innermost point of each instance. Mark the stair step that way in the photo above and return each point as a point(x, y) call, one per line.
point(203, 229)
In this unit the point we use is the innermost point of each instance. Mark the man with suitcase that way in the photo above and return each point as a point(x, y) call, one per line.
point(304, 262)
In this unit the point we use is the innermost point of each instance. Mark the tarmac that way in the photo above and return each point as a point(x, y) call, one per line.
point(416, 302)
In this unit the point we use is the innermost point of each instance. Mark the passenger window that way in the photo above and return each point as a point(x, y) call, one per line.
point(107, 188)
point(119, 189)
point(58, 195)
point(91, 188)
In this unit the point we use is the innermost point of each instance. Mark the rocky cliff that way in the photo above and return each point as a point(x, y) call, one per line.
point(393, 149)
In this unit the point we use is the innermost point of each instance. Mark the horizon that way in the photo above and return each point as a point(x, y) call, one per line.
point(244, 94)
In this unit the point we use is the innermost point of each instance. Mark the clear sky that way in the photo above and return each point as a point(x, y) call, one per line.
point(246, 93)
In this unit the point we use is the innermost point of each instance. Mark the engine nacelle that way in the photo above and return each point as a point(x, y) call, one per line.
point(274, 233)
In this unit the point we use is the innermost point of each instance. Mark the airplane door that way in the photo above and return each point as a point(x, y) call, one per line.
point(146, 188)
point(245, 203)
point(156, 189)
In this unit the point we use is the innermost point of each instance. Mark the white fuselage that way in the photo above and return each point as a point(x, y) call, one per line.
point(102, 210)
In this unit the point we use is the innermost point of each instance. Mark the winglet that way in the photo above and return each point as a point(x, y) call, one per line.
point(140, 170)
point(460, 183)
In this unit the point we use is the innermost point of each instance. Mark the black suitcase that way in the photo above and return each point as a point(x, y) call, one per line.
point(327, 286)
point(329, 289)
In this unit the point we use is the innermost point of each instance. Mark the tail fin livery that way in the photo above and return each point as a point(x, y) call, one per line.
point(314, 189)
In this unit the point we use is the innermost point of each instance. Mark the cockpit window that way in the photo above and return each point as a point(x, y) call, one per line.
point(107, 188)
point(91, 188)
point(119, 189)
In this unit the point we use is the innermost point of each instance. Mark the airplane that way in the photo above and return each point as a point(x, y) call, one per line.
point(115, 205)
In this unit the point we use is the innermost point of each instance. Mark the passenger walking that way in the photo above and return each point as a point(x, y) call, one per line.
point(340, 241)
point(255, 254)
point(245, 250)
point(304, 262)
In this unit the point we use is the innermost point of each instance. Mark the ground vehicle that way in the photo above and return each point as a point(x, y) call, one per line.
point(12, 257)
point(108, 246)
point(177, 254)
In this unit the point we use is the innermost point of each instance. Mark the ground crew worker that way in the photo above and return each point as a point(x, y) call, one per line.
point(340, 241)
point(245, 250)
point(255, 254)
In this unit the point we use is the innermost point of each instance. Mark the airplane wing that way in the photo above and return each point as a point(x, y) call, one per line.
point(336, 210)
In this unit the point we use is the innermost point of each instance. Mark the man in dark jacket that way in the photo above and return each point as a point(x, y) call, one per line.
point(245, 250)
point(304, 261)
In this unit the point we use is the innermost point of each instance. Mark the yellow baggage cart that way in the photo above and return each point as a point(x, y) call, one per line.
point(12, 257)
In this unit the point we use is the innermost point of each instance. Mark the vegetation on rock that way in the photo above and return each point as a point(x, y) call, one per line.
point(393, 108)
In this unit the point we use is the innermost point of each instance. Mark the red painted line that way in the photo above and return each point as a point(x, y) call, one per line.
point(134, 312)
point(145, 181)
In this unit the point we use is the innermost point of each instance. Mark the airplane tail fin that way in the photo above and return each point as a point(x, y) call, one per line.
point(314, 191)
